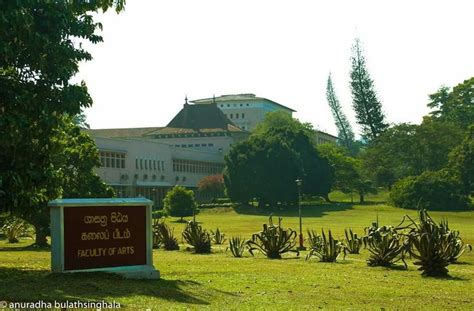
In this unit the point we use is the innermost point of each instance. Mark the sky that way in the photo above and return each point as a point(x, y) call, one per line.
point(157, 52)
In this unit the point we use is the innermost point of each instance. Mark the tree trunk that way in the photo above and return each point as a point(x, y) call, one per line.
point(326, 197)
point(40, 236)
point(361, 197)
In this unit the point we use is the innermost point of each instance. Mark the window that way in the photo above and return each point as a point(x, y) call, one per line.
point(190, 145)
point(146, 166)
point(204, 145)
point(183, 145)
point(210, 145)
point(154, 165)
point(236, 115)
point(241, 105)
point(247, 105)
point(243, 115)
point(136, 163)
point(228, 105)
point(197, 145)
point(112, 159)
point(231, 115)
point(141, 164)
point(177, 146)
point(222, 106)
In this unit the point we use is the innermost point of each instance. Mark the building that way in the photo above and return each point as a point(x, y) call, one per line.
point(324, 138)
point(148, 161)
point(244, 110)
point(143, 167)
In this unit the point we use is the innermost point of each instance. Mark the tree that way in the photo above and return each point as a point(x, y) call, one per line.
point(366, 105)
point(179, 202)
point(409, 150)
point(456, 106)
point(461, 163)
point(348, 173)
point(39, 56)
point(266, 166)
point(212, 185)
point(344, 129)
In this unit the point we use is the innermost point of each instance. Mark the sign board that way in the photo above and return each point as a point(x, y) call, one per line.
point(111, 235)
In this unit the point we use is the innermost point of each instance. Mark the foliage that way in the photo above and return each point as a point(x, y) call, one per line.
point(179, 202)
point(15, 228)
point(348, 171)
point(366, 105)
point(197, 237)
point(273, 240)
point(250, 166)
point(163, 236)
point(431, 190)
point(352, 241)
point(461, 163)
point(40, 55)
point(217, 237)
point(430, 245)
point(212, 185)
point(326, 249)
point(237, 246)
point(457, 246)
point(456, 106)
point(344, 128)
point(386, 245)
point(409, 150)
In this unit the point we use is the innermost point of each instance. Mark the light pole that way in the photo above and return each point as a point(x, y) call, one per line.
point(299, 182)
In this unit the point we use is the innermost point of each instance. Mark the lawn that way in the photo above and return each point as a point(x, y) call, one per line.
point(220, 281)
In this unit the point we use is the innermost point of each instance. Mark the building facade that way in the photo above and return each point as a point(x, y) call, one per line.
point(149, 161)
point(244, 110)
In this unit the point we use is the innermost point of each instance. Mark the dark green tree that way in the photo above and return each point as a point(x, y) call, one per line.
point(39, 54)
point(179, 202)
point(456, 106)
point(266, 166)
point(366, 105)
point(344, 128)
point(461, 163)
point(409, 150)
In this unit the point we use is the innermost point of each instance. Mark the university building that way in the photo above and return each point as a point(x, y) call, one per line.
point(149, 161)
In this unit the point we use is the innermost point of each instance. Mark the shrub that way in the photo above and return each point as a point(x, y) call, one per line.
point(197, 237)
point(237, 246)
point(457, 246)
point(352, 242)
point(432, 245)
point(179, 202)
point(273, 240)
point(218, 237)
point(385, 244)
point(15, 228)
point(430, 190)
point(212, 186)
point(326, 249)
point(163, 235)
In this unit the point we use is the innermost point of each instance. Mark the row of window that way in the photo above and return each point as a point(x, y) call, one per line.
point(212, 134)
point(112, 159)
point(235, 105)
point(194, 145)
point(197, 167)
point(149, 164)
point(231, 116)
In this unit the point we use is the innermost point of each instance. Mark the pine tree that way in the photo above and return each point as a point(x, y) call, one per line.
point(344, 129)
point(366, 105)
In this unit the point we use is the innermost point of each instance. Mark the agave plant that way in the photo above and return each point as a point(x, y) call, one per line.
point(273, 240)
point(218, 237)
point(430, 245)
point(385, 244)
point(237, 246)
point(352, 242)
point(197, 237)
point(163, 235)
point(16, 228)
point(326, 249)
point(314, 239)
point(457, 245)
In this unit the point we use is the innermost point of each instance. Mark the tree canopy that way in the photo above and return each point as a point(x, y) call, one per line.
point(40, 53)
point(367, 106)
point(266, 166)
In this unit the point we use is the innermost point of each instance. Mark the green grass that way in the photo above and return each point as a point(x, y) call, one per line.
point(220, 281)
